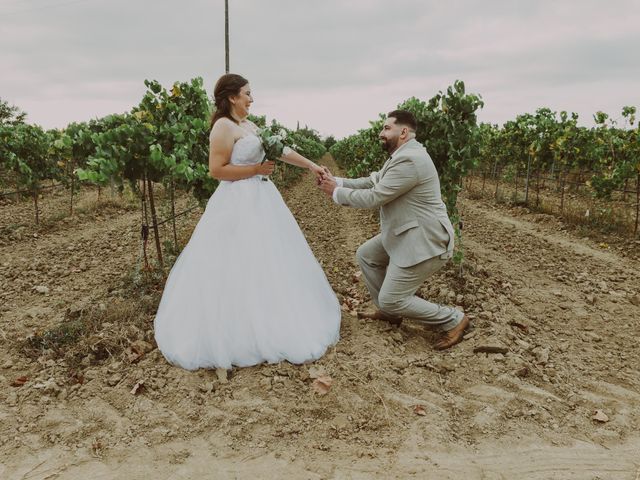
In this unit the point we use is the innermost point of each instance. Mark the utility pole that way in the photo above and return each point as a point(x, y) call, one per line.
point(226, 35)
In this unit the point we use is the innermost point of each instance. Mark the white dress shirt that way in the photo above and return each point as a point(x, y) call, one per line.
point(339, 183)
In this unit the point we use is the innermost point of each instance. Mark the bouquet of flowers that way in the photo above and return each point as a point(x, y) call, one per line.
point(272, 143)
point(274, 140)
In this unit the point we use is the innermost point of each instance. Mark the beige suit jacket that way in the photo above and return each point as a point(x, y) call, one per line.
point(413, 217)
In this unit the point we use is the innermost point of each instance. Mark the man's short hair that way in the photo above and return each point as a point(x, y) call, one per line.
point(403, 117)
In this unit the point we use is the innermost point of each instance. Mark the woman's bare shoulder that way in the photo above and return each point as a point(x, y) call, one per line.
point(225, 128)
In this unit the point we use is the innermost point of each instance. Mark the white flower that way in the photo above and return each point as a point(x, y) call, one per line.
point(282, 133)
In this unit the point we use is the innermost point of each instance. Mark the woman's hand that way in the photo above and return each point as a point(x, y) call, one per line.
point(318, 171)
point(265, 168)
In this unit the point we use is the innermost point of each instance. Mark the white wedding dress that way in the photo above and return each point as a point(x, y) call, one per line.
point(247, 288)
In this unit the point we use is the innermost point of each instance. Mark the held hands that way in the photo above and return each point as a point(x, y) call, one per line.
point(318, 171)
point(324, 179)
point(326, 182)
point(321, 173)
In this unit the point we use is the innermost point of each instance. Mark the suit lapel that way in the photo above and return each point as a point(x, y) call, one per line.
point(388, 162)
point(385, 166)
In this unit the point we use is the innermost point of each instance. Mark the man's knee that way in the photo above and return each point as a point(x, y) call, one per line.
point(371, 253)
point(361, 255)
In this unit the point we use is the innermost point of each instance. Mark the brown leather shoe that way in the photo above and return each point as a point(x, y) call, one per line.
point(453, 336)
point(379, 315)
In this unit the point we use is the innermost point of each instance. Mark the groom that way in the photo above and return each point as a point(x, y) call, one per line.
point(417, 236)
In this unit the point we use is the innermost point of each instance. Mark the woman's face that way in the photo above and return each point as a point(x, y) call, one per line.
point(242, 101)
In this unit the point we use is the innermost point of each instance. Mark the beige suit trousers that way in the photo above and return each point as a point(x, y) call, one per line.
point(393, 288)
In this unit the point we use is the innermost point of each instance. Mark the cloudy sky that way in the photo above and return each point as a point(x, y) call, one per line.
point(332, 65)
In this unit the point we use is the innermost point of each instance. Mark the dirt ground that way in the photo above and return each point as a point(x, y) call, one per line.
point(545, 385)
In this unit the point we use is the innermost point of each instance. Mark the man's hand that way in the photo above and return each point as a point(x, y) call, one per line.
point(325, 174)
point(328, 185)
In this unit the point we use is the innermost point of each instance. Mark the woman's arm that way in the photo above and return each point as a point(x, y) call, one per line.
point(294, 158)
point(220, 148)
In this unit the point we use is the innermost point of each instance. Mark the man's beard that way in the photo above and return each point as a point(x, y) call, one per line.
point(389, 145)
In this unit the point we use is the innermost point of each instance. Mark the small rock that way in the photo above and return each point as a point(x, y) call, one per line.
point(542, 355)
point(600, 416)
point(41, 289)
point(49, 386)
point(470, 299)
point(525, 345)
point(12, 399)
point(485, 315)
point(88, 360)
point(207, 387)
point(223, 375)
point(522, 372)
point(469, 335)
point(491, 346)
point(397, 336)
point(445, 366)
point(635, 300)
point(593, 336)
point(114, 379)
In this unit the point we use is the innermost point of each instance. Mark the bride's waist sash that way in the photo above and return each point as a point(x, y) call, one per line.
point(255, 178)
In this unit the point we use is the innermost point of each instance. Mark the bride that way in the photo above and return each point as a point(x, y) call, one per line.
point(246, 289)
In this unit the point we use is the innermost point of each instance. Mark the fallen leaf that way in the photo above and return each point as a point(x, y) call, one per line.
point(600, 416)
point(76, 377)
point(138, 387)
point(322, 384)
point(419, 410)
point(20, 381)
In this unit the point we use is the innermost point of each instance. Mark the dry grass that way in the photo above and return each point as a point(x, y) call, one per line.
point(92, 335)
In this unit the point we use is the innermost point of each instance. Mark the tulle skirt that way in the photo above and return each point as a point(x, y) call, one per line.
point(247, 288)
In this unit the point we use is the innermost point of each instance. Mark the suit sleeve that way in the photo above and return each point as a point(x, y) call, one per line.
point(363, 182)
point(398, 179)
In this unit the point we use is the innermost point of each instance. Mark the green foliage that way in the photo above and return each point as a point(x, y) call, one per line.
point(10, 114)
point(24, 149)
point(329, 142)
point(164, 137)
point(551, 141)
point(447, 128)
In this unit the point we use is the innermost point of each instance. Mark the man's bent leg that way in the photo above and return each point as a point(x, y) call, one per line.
point(397, 296)
point(373, 260)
